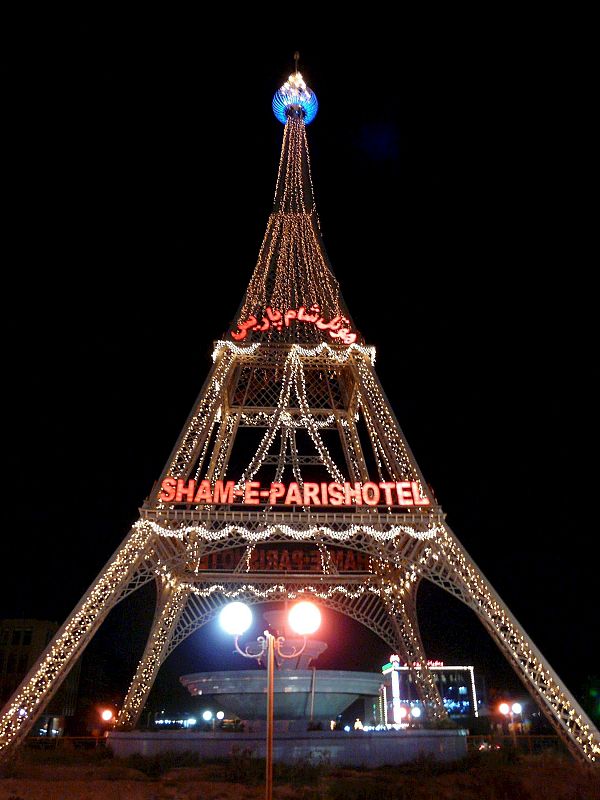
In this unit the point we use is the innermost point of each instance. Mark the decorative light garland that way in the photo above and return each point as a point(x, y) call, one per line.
point(261, 418)
point(487, 606)
point(291, 266)
point(300, 386)
point(202, 457)
point(282, 403)
point(390, 433)
point(148, 667)
point(432, 531)
point(204, 414)
point(265, 592)
point(341, 355)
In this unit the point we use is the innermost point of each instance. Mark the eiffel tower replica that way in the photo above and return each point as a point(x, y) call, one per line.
point(292, 478)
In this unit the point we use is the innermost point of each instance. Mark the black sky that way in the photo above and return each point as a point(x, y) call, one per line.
point(452, 183)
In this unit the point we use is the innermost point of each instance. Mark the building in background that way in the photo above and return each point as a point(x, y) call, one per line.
point(21, 642)
point(456, 684)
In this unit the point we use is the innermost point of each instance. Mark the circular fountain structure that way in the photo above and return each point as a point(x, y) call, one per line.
point(302, 692)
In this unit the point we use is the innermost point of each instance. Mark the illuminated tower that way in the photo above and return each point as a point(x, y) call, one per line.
point(292, 477)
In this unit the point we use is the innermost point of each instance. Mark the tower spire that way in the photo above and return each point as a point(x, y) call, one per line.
point(293, 271)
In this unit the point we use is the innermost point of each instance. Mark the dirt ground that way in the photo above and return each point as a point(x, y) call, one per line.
point(531, 778)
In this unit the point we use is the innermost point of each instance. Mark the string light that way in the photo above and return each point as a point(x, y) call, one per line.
point(338, 354)
point(261, 419)
point(480, 597)
point(292, 270)
point(171, 605)
point(67, 644)
point(382, 533)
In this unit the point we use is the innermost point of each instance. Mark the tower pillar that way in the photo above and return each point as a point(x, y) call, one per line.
point(170, 603)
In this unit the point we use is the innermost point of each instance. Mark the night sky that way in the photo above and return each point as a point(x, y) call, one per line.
point(452, 184)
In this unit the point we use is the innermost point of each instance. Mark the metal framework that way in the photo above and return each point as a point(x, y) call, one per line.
point(290, 402)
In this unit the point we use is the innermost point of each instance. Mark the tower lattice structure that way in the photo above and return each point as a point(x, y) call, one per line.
point(292, 399)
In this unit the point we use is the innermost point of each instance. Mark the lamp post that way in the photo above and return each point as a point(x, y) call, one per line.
point(511, 711)
point(304, 618)
point(208, 716)
point(107, 717)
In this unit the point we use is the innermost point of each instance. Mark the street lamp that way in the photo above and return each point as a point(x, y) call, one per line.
point(304, 618)
point(208, 716)
point(511, 711)
point(107, 717)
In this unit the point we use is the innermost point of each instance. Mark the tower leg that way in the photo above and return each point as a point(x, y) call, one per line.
point(455, 572)
point(54, 664)
point(170, 604)
point(403, 613)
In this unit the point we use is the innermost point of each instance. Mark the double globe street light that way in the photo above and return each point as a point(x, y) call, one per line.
point(304, 619)
point(511, 711)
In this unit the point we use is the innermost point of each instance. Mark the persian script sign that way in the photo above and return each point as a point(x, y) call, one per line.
point(286, 559)
point(338, 328)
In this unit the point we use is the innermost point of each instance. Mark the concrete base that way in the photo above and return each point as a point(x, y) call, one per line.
point(358, 748)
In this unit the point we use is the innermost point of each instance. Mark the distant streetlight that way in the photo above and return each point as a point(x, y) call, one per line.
point(106, 715)
point(208, 716)
point(304, 618)
point(511, 711)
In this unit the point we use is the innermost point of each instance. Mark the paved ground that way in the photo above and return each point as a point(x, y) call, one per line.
point(530, 778)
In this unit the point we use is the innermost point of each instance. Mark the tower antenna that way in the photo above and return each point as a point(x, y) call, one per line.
point(296, 59)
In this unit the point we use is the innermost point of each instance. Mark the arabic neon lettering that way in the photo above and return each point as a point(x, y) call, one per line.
point(337, 328)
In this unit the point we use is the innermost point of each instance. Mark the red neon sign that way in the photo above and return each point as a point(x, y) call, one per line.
point(387, 493)
point(284, 559)
point(337, 328)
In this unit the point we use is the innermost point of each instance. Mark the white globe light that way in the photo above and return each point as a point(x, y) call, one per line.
point(220, 714)
point(517, 708)
point(235, 618)
point(403, 712)
point(207, 716)
point(504, 708)
point(416, 712)
point(304, 618)
point(107, 715)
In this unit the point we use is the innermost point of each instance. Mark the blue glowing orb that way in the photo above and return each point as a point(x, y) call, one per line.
point(295, 97)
